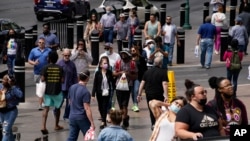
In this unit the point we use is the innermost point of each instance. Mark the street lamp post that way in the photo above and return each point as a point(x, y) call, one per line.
point(186, 24)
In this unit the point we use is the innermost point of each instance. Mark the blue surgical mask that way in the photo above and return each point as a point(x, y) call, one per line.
point(152, 46)
point(174, 108)
point(107, 52)
point(107, 12)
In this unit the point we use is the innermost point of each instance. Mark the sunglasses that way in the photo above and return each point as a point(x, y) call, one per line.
point(66, 55)
point(41, 42)
point(106, 48)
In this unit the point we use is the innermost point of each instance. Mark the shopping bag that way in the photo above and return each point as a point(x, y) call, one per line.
point(2, 99)
point(40, 88)
point(196, 51)
point(122, 84)
point(90, 135)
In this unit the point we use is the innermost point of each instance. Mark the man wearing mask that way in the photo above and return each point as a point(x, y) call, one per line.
point(123, 32)
point(169, 33)
point(112, 55)
point(51, 39)
point(107, 22)
point(150, 44)
point(70, 78)
point(128, 66)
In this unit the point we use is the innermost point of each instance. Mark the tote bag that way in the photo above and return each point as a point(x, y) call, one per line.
point(122, 84)
point(40, 88)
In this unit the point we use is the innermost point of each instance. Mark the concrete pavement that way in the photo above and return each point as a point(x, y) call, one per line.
point(29, 119)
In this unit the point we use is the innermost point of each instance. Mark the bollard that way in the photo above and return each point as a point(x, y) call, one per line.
point(79, 27)
point(224, 41)
point(125, 43)
point(147, 13)
point(181, 49)
point(205, 11)
point(182, 14)
point(233, 5)
point(95, 46)
point(19, 70)
point(163, 11)
point(138, 38)
point(70, 34)
point(34, 32)
point(28, 42)
point(171, 86)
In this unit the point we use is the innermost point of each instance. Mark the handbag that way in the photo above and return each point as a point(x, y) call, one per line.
point(90, 134)
point(2, 99)
point(122, 84)
point(40, 88)
point(105, 92)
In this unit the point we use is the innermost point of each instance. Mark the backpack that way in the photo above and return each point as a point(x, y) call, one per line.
point(235, 63)
point(118, 65)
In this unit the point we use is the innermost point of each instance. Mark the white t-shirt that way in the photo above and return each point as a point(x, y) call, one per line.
point(112, 58)
point(167, 36)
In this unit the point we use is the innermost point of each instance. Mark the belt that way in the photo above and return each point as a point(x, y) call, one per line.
point(167, 44)
point(108, 27)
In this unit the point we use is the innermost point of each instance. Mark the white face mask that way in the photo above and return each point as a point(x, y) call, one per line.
point(107, 12)
point(107, 52)
point(151, 46)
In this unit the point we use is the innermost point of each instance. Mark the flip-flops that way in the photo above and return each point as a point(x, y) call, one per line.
point(58, 128)
point(45, 131)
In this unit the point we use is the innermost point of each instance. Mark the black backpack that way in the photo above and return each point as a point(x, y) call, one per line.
point(235, 63)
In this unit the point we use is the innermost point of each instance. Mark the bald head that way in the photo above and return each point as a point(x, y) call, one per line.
point(158, 61)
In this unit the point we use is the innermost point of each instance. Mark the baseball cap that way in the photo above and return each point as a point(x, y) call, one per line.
point(108, 45)
point(125, 51)
point(122, 15)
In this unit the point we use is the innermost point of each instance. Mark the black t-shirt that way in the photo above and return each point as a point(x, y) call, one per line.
point(53, 74)
point(205, 122)
point(153, 80)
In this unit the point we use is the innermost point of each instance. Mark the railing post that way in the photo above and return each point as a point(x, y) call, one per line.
point(95, 46)
point(181, 49)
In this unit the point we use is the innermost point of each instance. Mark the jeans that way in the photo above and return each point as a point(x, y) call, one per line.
point(112, 99)
point(170, 52)
point(130, 41)
point(232, 76)
point(75, 126)
point(11, 64)
point(7, 120)
point(67, 107)
point(206, 46)
point(108, 35)
point(217, 42)
point(134, 91)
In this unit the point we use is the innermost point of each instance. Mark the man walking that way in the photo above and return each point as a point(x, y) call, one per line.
point(154, 81)
point(38, 58)
point(152, 28)
point(169, 33)
point(206, 36)
point(107, 22)
point(123, 32)
point(245, 15)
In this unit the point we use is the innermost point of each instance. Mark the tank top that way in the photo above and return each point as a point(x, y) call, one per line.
point(152, 28)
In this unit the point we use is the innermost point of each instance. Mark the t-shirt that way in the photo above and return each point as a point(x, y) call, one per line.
point(153, 81)
point(78, 95)
point(205, 122)
point(53, 74)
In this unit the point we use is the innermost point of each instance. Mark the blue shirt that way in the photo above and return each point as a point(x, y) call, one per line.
point(108, 20)
point(207, 30)
point(42, 57)
point(78, 95)
point(50, 39)
point(114, 133)
point(70, 73)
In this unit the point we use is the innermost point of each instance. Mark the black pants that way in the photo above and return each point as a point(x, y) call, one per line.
point(151, 97)
point(121, 44)
point(103, 103)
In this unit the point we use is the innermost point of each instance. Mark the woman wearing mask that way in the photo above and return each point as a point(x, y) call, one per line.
point(134, 24)
point(196, 113)
point(8, 114)
point(12, 48)
point(103, 81)
point(142, 67)
point(81, 57)
point(166, 121)
point(231, 110)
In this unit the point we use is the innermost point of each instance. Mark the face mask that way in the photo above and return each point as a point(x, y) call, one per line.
point(151, 46)
point(107, 52)
point(12, 36)
point(174, 108)
point(105, 66)
point(107, 12)
point(46, 32)
point(227, 96)
point(203, 102)
point(133, 54)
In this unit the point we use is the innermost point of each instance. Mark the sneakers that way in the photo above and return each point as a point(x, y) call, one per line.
point(135, 108)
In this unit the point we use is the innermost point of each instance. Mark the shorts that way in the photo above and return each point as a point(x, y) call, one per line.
point(53, 100)
point(123, 98)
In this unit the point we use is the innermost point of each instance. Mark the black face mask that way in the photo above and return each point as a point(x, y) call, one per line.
point(227, 96)
point(12, 35)
point(133, 54)
point(203, 102)
point(46, 32)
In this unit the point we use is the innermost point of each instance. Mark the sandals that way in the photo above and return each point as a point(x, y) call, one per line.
point(45, 132)
point(58, 128)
